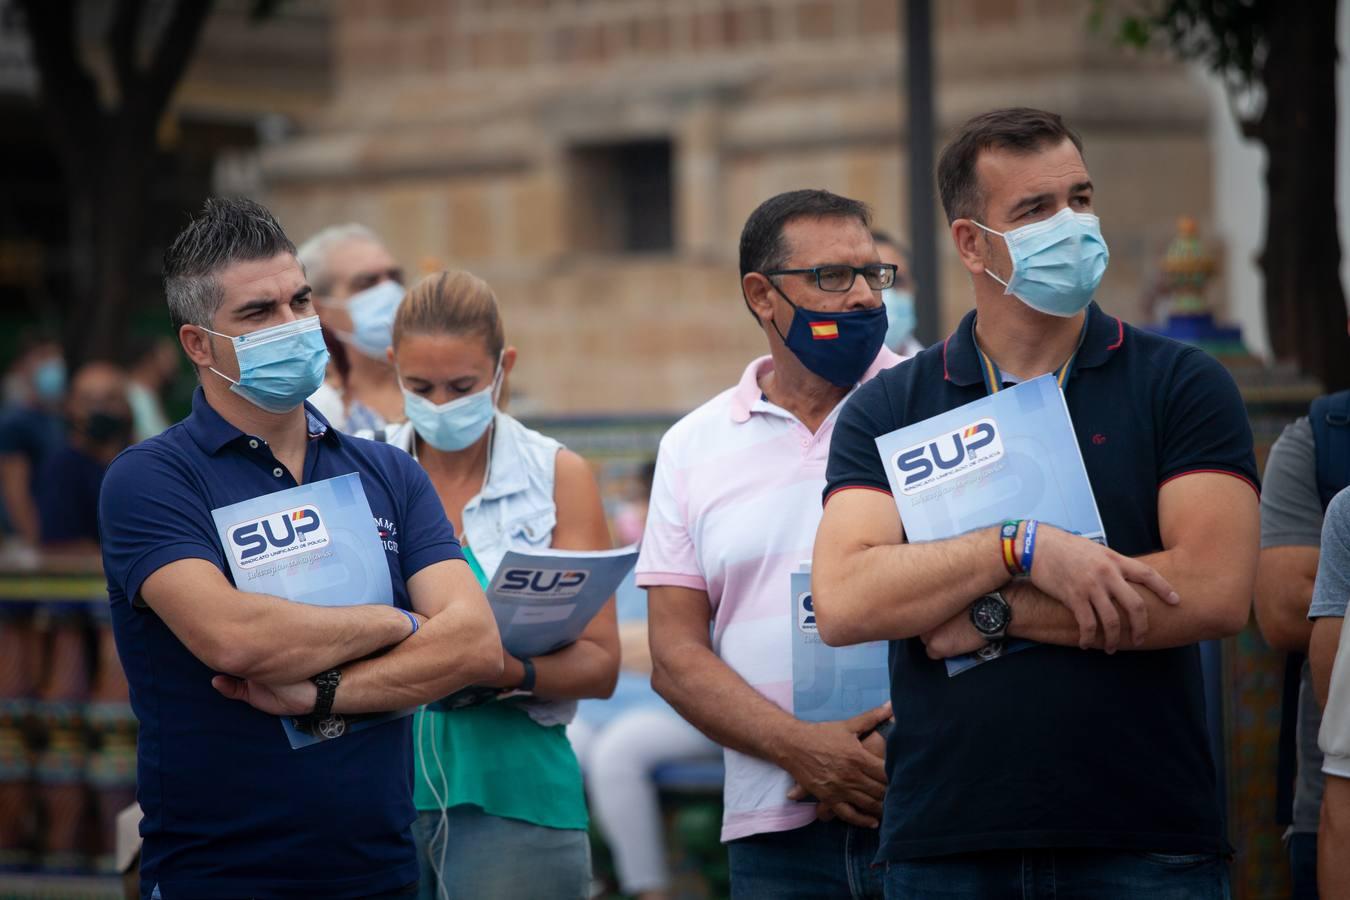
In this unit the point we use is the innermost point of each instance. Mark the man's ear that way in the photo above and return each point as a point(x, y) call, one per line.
point(508, 360)
point(967, 236)
point(758, 295)
point(197, 345)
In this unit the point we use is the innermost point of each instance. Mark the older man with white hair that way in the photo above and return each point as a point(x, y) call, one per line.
point(357, 288)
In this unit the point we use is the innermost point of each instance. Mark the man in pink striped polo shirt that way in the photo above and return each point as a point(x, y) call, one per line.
point(734, 510)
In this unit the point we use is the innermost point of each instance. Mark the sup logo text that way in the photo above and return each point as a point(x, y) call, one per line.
point(951, 455)
point(272, 537)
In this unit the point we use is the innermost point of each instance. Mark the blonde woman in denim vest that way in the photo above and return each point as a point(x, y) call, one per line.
point(501, 809)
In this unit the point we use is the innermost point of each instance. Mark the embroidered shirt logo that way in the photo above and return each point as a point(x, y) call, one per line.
point(388, 533)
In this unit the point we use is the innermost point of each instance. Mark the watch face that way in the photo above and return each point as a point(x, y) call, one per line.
point(989, 615)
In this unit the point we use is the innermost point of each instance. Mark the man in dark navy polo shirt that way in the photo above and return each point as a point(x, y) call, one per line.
point(230, 810)
point(1067, 769)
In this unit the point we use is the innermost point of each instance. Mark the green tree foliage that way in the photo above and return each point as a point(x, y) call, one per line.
point(1278, 61)
point(107, 71)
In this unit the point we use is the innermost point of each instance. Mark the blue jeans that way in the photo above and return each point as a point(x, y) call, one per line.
point(1060, 875)
point(478, 855)
point(1302, 847)
point(821, 860)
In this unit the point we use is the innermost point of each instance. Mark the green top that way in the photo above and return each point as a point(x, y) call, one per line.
point(497, 758)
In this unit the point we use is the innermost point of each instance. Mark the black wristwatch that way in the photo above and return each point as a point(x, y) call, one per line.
point(991, 615)
point(327, 683)
point(527, 680)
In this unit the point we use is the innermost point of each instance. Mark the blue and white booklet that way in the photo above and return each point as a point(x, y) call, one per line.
point(318, 544)
point(1009, 455)
point(543, 600)
point(830, 684)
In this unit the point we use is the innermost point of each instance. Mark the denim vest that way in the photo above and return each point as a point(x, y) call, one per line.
point(514, 511)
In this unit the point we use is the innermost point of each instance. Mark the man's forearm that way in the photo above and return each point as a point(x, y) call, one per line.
point(896, 591)
point(1204, 613)
point(1285, 628)
point(279, 641)
point(1284, 588)
point(447, 653)
point(717, 701)
point(579, 671)
point(18, 497)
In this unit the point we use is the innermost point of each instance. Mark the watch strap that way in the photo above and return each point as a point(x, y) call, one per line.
point(327, 683)
point(527, 680)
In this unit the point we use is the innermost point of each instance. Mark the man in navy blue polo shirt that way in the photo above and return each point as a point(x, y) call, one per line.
point(1068, 769)
point(230, 810)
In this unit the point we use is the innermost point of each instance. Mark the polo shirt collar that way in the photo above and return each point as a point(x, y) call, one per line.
point(746, 394)
point(1102, 336)
point(211, 432)
point(1105, 334)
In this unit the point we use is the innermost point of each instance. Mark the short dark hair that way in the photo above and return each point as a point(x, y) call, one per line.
point(1020, 129)
point(762, 244)
point(226, 231)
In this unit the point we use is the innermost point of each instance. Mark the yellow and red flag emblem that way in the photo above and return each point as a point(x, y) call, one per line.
point(824, 331)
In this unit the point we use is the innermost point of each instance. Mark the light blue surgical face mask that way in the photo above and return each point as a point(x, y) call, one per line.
point(372, 312)
point(900, 316)
point(457, 424)
point(49, 380)
point(280, 366)
point(1057, 262)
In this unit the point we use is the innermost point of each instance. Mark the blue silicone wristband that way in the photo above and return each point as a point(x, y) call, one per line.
point(1029, 547)
point(412, 619)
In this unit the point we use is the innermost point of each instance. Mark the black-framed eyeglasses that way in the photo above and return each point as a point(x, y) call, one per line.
point(838, 278)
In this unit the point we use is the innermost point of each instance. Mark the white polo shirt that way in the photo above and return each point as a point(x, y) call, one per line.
point(1334, 738)
point(734, 509)
point(1330, 591)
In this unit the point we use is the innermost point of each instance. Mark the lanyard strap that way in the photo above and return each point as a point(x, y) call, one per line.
point(993, 378)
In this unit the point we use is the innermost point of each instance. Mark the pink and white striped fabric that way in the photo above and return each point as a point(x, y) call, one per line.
point(734, 510)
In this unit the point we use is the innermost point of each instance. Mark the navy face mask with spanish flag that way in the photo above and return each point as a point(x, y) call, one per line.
point(837, 346)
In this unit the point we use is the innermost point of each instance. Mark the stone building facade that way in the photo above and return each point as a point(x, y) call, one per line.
point(594, 160)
